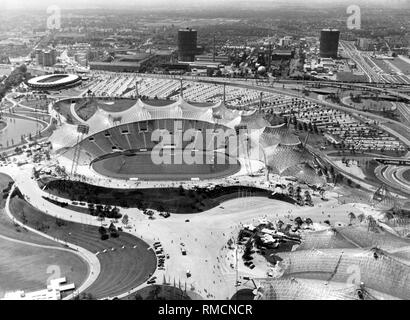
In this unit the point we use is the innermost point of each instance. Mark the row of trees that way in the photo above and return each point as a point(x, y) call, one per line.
point(306, 198)
point(105, 211)
point(372, 223)
point(302, 126)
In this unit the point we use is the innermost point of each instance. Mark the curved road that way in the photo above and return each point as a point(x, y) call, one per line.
point(86, 255)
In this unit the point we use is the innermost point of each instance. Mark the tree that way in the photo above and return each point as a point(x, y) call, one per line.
point(308, 197)
point(157, 292)
point(91, 209)
point(98, 209)
point(115, 213)
point(125, 220)
point(309, 221)
point(112, 227)
point(113, 231)
point(322, 193)
point(107, 209)
point(361, 217)
point(371, 223)
point(299, 221)
point(290, 190)
point(84, 296)
point(23, 217)
point(102, 230)
point(351, 216)
point(59, 222)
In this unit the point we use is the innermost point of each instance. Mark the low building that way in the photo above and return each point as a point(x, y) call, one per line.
point(210, 58)
point(285, 41)
point(282, 54)
point(52, 292)
point(135, 62)
point(115, 66)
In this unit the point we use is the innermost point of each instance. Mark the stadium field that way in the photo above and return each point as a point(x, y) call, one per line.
point(141, 165)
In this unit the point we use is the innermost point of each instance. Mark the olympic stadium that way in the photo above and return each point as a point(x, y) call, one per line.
point(119, 144)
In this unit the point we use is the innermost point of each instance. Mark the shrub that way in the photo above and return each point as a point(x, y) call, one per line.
point(102, 230)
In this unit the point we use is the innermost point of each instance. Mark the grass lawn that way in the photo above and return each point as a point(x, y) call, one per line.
point(383, 65)
point(86, 109)
point(402, 65)
point(401, 130)
point(39, 104)
point(373, 105)
point(117, 105)
point(141, 165)
point(369, 169)
point(63, 107)
point(243, 294)
point(350, 77)
point(9, 229)
point(353, 195)
point(70, 92)
point(31, 113)
point(3, 125)
point(406, 175)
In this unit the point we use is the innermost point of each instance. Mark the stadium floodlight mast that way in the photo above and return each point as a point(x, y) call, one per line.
point(81, 130)
point(136, 88)
point(260, 101)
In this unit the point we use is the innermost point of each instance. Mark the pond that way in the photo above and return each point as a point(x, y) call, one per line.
point(15, 129)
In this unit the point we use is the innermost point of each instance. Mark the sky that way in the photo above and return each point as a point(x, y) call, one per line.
point(122, 4)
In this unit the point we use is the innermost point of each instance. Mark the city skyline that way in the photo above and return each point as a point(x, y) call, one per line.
point(124, 4)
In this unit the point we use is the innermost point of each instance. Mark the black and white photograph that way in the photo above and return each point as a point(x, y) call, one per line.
point(210, 156)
